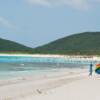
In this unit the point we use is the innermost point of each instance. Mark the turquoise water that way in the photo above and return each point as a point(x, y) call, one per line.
point(23, 59)
point(31, 59)
point(11, 67)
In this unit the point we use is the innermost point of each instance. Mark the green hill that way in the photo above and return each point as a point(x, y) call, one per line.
point(7, 46)
point(87, 43)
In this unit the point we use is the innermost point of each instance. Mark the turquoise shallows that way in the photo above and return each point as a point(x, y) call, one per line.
point(23, 59)
point(29, 59)
point(19, 66)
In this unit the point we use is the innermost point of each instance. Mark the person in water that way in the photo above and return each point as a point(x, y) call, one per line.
point(91, 69)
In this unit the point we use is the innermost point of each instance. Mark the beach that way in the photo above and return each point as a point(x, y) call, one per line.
point(27, 87)
point(49, 50)
point(86, 89)
point(65, 84)
point(72, 87)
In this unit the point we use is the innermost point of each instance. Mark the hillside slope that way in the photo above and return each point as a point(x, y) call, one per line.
point(87, 43)
point(10, 46)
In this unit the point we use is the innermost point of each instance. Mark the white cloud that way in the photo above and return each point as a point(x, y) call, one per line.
point(40, 2)
point(6, 23)
point(73, 3)
point(78, 4)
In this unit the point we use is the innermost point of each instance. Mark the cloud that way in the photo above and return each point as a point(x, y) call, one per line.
point(40, 2)
point(72, 3)
point(5, 23)
point(78, 4)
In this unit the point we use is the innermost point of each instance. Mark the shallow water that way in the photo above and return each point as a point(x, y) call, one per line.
point(11, 67)
point(9, 70)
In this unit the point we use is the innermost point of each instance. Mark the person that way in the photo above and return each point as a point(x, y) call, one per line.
point(91, 69)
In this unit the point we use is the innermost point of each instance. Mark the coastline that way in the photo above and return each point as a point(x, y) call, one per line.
point(73, 57)
point(70, 58)
point(24, 87)
point(47, 55)
point(47, 86)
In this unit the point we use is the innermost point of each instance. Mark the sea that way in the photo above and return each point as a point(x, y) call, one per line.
point(19, 66)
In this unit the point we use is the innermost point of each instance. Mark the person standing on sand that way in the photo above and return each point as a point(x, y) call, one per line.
point(91, 69)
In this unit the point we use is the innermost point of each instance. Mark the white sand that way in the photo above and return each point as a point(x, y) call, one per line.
point(53, 55)
point(28, 87)
point(77, 86)
point(87, 89)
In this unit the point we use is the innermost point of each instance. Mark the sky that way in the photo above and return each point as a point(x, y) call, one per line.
point(37, 22)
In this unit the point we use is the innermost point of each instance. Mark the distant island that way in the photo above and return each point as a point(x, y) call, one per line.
point(87, 43)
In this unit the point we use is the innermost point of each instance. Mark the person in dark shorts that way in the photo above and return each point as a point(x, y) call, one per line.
point(91, 69)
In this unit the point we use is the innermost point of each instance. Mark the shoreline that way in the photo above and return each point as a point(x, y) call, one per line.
point(46, 86)
point(63, 72)
point(81, 57)
point(94, 59)
point(48, 55)
point(30, 86)
point(60, 86)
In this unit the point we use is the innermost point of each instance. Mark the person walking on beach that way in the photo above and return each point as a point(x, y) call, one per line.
point(91, 69)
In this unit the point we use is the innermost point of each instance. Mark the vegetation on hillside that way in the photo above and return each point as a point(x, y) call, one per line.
point(87, 43)
point(7, 46)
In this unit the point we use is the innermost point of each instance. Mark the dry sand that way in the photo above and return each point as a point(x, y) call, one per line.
point(86, 89)
point(30, 88)
point(77, 86)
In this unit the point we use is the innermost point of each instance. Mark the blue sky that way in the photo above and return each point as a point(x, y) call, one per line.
point(36, 22)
